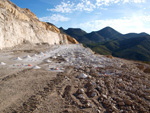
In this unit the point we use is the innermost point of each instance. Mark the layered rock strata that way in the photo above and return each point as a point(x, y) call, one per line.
point(19, 25)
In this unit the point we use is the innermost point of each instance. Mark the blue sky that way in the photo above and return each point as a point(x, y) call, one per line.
point(91, 15)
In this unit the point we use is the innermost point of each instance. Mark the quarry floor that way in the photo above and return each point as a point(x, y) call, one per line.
point(49, 79)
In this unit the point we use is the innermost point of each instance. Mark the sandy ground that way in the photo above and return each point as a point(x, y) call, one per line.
point(110, 85)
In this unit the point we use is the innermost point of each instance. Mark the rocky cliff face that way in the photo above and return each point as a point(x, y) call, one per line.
point(20, 25)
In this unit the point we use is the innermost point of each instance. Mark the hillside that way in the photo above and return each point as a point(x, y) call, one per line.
point(19, 25)
point(104, 34)
point(136, 48)
point(110, 42)
point(77, 33)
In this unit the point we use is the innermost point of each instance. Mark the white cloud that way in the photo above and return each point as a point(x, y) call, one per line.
point(134, 1)
point(68, 7)
point(124, 25)
point(146, 18)
point(54, 18)
point(108, 2)
point(63, 7)
point(88, 5)
point(85, 5)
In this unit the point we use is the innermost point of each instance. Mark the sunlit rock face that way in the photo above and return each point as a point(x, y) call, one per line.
point(20, 25)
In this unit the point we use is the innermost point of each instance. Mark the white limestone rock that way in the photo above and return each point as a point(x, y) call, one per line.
point(21, 25)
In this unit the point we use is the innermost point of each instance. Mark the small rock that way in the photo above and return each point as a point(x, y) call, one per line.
point(48, 61)
point(121, 111)
point(91, 93)
point(120, 80)
point(114, 109)
point(35, 55)
point(88, 105)
point(2, 63)
point(121, 103)
point(80, 96)
point(140, 66)
point(142, 109)
point(87, 70)
point(90, 85)
point(98, 88)
point(147, 97)
point(89, 77)
point(97, 81)
point(36, 67)
point(105, 96)
point(82, 76)
point(122, 85)
point(18, 58)
point(28, 56)
point(41, 53)
point(98, 111)
point(80, 91)
point(76, 86)
point(147, 70)
point(128, 102)
point(131, 111)
point(124, 66)
point(67, 111)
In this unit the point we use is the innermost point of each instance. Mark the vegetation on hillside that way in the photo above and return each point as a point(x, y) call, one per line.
point(110, 42)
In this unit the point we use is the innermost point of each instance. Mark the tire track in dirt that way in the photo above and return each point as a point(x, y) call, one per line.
point(14, 75)
point(33, 101)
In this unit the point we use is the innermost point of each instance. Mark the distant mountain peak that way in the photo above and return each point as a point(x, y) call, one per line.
point(61, 28)
point(74, 32)
point(76, 29)
point(109, 33)
point(108, 29)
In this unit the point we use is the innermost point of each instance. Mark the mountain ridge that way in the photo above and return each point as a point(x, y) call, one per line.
point(108, 41)
point(105, 34)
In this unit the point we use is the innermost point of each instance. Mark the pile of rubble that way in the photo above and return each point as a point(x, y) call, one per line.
point(92, 83)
